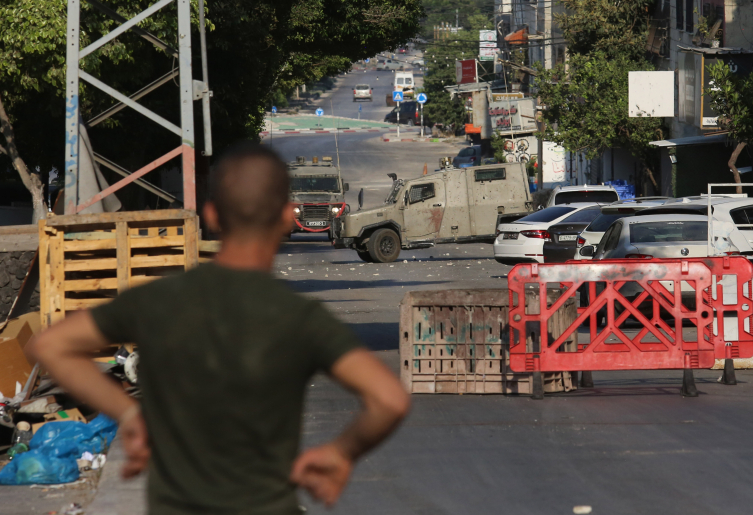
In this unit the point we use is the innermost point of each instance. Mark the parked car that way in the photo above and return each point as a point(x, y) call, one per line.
point(584, 193)
point(469, 156)
point(730, 215)
point(362, 92)
point(658, 236)
point(592, 234)
point(563, 237)
point(388, 64)
point(524, 239)
point(409, 114)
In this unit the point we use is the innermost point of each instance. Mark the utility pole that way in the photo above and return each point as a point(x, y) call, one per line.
point(456, 19)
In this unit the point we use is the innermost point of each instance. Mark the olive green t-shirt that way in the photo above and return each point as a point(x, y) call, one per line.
point(225, 356)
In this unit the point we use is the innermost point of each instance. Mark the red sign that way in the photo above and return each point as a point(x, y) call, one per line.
point(465, 71)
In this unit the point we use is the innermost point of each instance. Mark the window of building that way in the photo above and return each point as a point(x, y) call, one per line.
point(679, 11)
point(689, 26)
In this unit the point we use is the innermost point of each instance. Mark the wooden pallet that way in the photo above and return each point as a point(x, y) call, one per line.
point(457, 342)
point(86, 260)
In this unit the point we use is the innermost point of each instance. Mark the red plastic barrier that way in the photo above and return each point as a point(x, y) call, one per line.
point(639, 290)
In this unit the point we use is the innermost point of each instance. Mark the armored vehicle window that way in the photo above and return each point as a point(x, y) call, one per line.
point(400, 80)
point(496, 174)
point(743, 216)
point(420, 192)
point(314, 184)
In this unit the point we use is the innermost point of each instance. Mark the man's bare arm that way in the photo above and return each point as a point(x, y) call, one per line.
point(65, 350)
point(324, 470)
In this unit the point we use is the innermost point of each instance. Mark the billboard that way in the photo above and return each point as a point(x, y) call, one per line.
point(651, 94)
point(512, 115)
point(553, 164)
point(487, 36)
point(465, 71)
point(487, 54)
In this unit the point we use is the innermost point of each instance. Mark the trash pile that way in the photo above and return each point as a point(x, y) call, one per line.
point(48, 437)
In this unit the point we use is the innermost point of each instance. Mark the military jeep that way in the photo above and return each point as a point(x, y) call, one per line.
point(318, 192)
point(450, 206)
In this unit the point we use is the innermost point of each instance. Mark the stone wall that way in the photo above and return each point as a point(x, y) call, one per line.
point(13, 269)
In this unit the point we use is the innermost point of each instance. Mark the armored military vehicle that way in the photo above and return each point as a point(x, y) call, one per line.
point(318, 192)
point(450, 206)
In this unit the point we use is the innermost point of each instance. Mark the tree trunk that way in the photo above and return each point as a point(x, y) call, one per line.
point(32, 181)
point(732, 160)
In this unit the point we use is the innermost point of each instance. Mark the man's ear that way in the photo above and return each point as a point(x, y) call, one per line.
point(211, 218)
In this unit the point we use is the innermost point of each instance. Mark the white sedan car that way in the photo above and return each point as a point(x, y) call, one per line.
point(523, 240)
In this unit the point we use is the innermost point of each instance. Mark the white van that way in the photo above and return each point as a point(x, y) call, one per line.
point(404, 82)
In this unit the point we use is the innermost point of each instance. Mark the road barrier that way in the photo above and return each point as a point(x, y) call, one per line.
point(456, 341)
point(689, 311)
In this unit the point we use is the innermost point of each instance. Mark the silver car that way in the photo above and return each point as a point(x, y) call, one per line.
point(658, 236)
point(362, 92)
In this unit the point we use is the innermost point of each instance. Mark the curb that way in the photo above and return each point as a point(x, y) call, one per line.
point(332, 131)
point(419, 140)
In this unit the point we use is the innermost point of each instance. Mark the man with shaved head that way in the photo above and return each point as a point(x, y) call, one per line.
point(226, 351)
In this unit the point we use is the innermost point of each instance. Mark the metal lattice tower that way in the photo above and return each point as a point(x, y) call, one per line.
point(190, 90)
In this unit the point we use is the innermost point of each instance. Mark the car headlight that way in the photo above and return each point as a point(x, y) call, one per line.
point(297, 210)
point(335, 209)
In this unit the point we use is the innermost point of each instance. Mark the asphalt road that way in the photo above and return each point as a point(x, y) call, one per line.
point(630, 445)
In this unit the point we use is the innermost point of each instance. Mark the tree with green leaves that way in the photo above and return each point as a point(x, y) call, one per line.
point(440, 58)
point(732, 98)
point(586, 100)
point(254, 48)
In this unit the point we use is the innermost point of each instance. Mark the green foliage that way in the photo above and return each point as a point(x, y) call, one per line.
point(587, 102)
point(732, 98)
point(255, 48)
point(588, 112)
point(606, 26)
point(438, 11)
point(440, 58)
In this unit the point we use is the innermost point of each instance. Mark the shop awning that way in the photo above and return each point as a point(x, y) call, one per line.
point(692, 140)
point(519, 37)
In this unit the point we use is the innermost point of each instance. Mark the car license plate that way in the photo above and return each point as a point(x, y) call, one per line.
point(510, 236)
point(316, 224)
point(568, 237)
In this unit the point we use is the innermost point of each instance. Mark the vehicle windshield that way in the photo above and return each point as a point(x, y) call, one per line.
point(400, 80)
point(408, 80)
point(362, 86)
point(393, 196)
point(602, 222)
point(601, 196)
point(583, 216)
point(547, 215)
point(324, 183)
point(466, 152)
point(660, 232)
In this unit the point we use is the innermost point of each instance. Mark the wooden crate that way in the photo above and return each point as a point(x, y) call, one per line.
point(457, 341)
point(86, 260)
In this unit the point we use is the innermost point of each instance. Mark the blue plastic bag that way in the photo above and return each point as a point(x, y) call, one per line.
point(93, 437)
point(37, 467)
point(54, 450)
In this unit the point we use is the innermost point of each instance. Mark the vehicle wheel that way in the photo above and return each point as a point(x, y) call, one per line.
point(384, 246)
point(365, 256)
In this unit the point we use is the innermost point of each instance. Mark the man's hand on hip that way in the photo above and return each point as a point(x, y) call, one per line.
point(323, 471)
point(136, 445)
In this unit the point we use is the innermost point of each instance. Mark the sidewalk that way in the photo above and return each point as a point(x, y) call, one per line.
point(115, 495)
